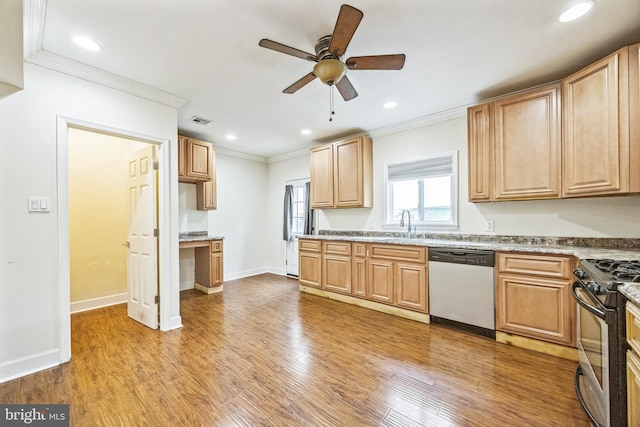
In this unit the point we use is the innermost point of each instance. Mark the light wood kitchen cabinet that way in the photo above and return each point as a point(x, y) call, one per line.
point(206, 192)
point(533, 296)
point(359, 270)
point(380, 280)
point(398, 275)
point(633, 364)
point(634, 118)
point(480, 151)
point(217, 267)
point(411, 286)
point(195, 160)
point(336, 266)
point(209, 266)
point(596, 128)
point(342, 175)
point(310, 262)
point(514, 146)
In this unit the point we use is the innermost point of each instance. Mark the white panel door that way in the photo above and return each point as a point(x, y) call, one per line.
point(142, 265)
point(292, 257)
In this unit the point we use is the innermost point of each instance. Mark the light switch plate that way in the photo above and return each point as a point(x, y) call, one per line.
point(39, 204)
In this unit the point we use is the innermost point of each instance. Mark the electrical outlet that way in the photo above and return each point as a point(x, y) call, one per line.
point(488, 225)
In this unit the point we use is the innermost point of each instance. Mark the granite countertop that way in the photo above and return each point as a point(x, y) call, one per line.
point(515, 244)
point(197, 236)
point(622, 249)
point(631, 291)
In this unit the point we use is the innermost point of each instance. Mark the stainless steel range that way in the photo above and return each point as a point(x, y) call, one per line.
point(601, 382)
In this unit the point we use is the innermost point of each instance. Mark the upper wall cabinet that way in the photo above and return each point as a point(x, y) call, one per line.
point(195, 160)
point(342, 174)
point(515, 146)
point(578, 140)
point(197, 164)
point(596, 128)
point(634, 118)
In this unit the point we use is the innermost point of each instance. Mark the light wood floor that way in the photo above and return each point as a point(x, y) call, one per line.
point(265, 354)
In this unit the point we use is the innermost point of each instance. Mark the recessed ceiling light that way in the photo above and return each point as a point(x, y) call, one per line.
point(231, 137)
point(390, 104)
point(306, 131)
point(87, 43)
point(576, 11)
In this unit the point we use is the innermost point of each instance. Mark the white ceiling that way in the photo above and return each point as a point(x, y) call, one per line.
point(206, 51)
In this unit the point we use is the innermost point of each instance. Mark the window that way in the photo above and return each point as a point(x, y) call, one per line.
point(298, 210)
point(427, 188)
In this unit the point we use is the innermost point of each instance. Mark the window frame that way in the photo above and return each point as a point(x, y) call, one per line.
point(452, 224)
point(298, 184)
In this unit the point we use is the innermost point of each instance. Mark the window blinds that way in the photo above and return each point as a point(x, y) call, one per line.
point(427, 168)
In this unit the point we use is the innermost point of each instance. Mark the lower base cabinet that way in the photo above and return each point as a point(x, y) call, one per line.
point(533, 297)
point(309, 262)
point(411, 286)
point(389, 274)
point(633, 363)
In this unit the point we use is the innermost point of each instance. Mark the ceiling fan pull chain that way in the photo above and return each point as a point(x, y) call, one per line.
point(331, 103)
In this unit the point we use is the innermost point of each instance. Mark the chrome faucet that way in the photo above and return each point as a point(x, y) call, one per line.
point(402, 222)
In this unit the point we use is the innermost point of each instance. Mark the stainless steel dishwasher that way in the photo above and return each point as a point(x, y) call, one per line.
point(461, 289)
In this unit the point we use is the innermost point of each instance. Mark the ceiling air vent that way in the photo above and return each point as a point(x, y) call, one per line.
point(200, 120)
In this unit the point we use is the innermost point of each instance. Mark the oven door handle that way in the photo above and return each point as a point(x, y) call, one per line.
point(600, 312)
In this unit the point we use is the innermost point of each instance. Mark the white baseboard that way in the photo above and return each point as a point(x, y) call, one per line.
point(93, 303)
point(29, 365)
point(246, 273)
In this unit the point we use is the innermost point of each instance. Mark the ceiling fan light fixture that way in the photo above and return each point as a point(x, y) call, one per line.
point(330, 71)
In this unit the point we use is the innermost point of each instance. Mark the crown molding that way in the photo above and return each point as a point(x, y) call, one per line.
point(34, 20)
point(431, 119)
point(239, 154)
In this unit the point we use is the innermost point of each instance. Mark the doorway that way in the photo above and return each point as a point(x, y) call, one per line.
point(298, 201)
point(169, 317)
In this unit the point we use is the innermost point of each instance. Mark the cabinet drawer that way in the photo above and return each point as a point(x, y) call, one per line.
point(309, 245)
point(337, 248)
point(557, 267)
point(633, 326)
point(399, 253)
point(359, 249)
point(216, 246)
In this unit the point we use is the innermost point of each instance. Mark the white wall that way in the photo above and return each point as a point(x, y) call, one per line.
point(31, 327)
point(240, 217)
point(589, 217)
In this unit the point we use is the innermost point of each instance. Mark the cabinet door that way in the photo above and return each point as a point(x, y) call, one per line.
point(199, 160)
point(634, 118)
point(527, 145)
point(359, 277)
point(182, 157)
point(411, 286)
point(217, 271)
point(535, 307)
point(596, 143)
point(633, 389)
point(350, 158)
point(322, 177)
point(336, 273)
point(206, 198)
point(380, 281)
point(480, 153)
point(309, 264)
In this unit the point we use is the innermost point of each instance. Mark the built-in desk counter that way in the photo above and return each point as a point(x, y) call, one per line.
point(209, 273)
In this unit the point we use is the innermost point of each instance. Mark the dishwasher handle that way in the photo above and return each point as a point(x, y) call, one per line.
point(462, 256)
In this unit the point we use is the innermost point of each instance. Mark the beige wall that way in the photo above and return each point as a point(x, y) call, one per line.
point(98, 219)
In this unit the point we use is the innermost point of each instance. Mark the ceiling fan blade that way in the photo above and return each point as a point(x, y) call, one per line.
point(348, 20)
point(279, 47)
point(346, 89)
point(376, 62)
point(300, 83)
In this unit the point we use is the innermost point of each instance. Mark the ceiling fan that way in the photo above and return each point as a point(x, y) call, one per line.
point(330, 68)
